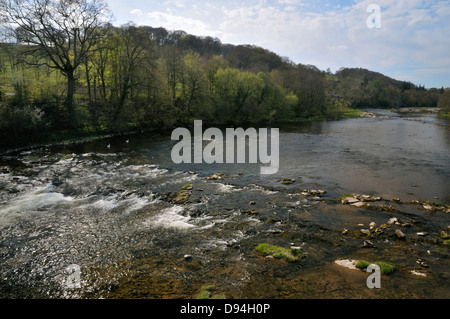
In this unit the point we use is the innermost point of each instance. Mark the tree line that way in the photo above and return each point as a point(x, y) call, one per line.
point(65, 68)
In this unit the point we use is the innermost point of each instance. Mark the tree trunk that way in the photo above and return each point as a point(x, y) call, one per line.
point(70, 97)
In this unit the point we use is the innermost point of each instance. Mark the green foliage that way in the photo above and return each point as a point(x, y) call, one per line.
point(139, 77)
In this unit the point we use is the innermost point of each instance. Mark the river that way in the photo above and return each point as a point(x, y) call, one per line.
point(111, 212)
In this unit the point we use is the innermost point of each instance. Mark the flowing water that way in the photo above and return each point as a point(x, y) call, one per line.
point(111, 211)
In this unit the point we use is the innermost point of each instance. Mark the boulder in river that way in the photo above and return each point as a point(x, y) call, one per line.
point(355, 198)
point(287, 181)
point(315, 192)
point(215, 176)
point(183, 195)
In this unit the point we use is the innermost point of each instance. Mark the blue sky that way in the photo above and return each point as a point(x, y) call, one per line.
point(413, 43)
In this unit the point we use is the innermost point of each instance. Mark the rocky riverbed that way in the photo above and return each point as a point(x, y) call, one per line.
point(140, 231)
point(135, 225)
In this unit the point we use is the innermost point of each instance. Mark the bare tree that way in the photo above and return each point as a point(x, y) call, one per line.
point(58, 33)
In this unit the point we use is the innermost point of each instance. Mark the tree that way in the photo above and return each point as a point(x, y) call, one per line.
point(131, 47)
point(58, 33)
point(444, 102)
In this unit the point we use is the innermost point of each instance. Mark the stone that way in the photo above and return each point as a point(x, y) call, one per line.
point(372, 225)
point(422, 234)
point(187, 257)
point(349, 200)
point(358, 204)
point(399, 234)
point(215, 176)
point(392, 220)
point(250, 212)
point(287, 181)
point(365, 231)
point(345, 231)
point(347, 263)
point(418, 273)
point(368, 244)
point(182, 196)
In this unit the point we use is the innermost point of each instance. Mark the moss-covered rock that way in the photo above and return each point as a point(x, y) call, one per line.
point(183, 195)
point(290, 255)
point(385, 268)
point(287, 181)
point(207, 293)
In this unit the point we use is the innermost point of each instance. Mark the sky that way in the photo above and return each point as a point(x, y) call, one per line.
point(408, 40)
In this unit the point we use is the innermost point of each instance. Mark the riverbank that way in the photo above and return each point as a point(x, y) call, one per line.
point(84, 135)
point(416, 110)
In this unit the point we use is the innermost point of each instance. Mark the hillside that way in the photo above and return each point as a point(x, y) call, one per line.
point(144, 77)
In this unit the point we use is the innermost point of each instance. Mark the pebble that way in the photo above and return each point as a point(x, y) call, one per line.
point(422, 234)
point(399, 233)
point(351, 200)
point(417, 273)
point(368, 244)
point(187, 257)
point(392, 220)
point(358, 204)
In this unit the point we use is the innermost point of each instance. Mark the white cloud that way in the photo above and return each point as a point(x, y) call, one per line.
point(171, 21)
point(288, 1)
point(136, 12)
point(412, 35)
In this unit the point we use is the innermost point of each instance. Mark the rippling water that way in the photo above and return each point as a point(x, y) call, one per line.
point(110, 210)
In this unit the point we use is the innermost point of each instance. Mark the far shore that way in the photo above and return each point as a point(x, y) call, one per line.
point(416, 110)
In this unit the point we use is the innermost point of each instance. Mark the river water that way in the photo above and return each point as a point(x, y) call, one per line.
point(111, 212)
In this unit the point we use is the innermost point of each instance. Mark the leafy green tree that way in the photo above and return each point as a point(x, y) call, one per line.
point(444, 101)
point(58, 33)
